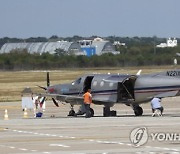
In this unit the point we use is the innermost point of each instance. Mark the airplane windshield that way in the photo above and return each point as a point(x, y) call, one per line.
point(78, 81)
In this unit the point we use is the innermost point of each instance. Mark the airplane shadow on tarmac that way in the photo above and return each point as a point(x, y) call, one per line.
point(118, 116)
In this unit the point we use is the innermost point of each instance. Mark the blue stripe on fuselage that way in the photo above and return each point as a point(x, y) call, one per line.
point(145, 89)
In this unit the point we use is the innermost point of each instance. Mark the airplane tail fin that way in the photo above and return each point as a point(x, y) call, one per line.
point(139, 72)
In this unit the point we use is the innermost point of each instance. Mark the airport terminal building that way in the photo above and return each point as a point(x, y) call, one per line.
point(98, 46)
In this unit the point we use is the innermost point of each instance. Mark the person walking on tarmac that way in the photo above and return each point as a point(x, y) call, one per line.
point(87, 101)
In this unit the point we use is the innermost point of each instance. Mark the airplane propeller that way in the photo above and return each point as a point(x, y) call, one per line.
point(45, 88)
point(48, 80)
point(54, 101)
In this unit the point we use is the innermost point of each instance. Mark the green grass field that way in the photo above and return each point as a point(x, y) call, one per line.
point(12, 83)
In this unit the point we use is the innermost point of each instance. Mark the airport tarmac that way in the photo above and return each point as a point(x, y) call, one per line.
point(97, 135)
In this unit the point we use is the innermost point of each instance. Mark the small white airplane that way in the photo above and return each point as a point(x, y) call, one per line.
point(109, 89)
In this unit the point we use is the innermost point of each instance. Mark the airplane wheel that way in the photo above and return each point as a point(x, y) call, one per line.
point(92, 112)
point(113, 113)
point(138, 111)
point(71, 113)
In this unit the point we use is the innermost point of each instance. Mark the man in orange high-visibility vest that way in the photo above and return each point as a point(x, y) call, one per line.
point(87, 101)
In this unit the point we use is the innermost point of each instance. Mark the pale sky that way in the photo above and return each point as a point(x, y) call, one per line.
point(124, 18)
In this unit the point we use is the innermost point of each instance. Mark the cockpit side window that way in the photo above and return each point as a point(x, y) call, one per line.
point(78, 81)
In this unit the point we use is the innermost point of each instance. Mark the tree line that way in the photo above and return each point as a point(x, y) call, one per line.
point(143, 55)
point(139, 51)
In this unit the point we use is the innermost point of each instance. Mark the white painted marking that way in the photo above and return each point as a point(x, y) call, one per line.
point(138, 152)
point(152, 152)
point(90, 140)
point(12, 147)
point(175, 149)
point(107, 142)
point(30, 132)
point(129, 144)
point(46, 152)
point(23, 149)
point(36, 133)
point(53, 135)
point(34, 150)
point(166, 149)
point(120, 143)
point(114, 142)
point(59, 145)
point(99, 141)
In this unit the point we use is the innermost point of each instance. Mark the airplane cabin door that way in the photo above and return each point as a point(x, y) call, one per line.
point(125, 90)
point(87, 83)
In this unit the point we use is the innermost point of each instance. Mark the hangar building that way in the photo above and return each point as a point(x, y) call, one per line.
point(43, 47)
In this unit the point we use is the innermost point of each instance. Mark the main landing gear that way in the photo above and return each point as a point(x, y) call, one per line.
point(138, 111)
point(108, 113)
point(81, 111)
point(72, 112)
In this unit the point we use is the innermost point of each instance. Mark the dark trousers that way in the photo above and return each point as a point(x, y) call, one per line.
point(160, 109)
point(87, 108)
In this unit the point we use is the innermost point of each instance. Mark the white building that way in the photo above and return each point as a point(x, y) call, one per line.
point(97, 46)
point(170, 43)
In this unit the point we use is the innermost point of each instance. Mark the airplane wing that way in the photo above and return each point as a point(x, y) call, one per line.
point(64, 98)
point(168, 94)
point(118, 78)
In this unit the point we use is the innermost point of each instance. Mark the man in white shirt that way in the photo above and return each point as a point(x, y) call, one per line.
point(156, 105)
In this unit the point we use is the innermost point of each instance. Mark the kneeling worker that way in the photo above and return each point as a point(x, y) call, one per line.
point(87, 101)
point(156, 105)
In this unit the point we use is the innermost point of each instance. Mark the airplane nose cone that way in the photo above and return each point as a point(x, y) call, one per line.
point(51, 90)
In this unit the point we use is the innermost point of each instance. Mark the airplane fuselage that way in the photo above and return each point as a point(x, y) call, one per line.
point(108, 89)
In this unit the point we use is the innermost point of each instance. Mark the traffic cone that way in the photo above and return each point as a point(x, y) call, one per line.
point(25, 113)
point(6, 115)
